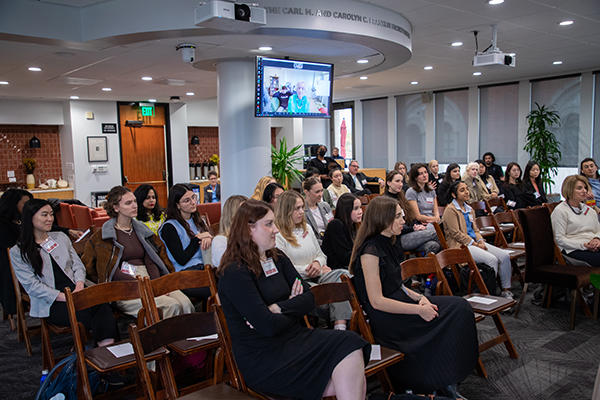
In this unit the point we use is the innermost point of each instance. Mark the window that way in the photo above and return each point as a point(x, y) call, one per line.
point(563, 96)
point(498, 122)
point(375, 135)
point(410, 114)
point(343, 134)
point(451, 126)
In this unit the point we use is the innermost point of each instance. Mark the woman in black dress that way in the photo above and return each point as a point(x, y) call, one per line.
point(437, 335)
point(341, 231)
point(452, 175)
point(264, 299)
point(532, 184)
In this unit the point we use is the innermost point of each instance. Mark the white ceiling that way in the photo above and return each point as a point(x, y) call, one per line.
point(528, 28)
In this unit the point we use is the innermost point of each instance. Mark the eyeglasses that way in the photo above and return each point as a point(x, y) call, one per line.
point(192, 198)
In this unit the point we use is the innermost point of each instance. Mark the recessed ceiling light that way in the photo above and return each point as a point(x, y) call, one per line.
point(493, 2)
point(74, 97)
point(152, 100)
point(3, 83)
point(34, 69)
point(565, 23)
point(557, 62)
point(456, 44)
point(106, 89)
point(265, 48)
point(364, 77)
point(414, 83)
point(362, 61)
point(146, 78)
point(476, 73)
point(428, 67)
point(190, 93)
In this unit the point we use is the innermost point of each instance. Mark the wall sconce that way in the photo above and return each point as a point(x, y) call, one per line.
point(34, 143)
point(195, 140)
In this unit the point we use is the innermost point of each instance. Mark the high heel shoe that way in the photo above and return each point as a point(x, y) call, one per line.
point(452, 392)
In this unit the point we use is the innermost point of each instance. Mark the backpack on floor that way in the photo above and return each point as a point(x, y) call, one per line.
point(66, 380)
point(487, 274)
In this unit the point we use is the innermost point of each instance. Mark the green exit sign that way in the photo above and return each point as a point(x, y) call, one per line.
point(147, 111)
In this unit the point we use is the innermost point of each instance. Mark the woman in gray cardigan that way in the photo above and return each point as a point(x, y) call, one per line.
point(45, 263)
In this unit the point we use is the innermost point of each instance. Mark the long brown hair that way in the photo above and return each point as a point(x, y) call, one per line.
point(113, 198)
point(241, 248)
point(379, 215)
point(414, 173)
point(173, 212)
point(284, 208)
point(409, 214)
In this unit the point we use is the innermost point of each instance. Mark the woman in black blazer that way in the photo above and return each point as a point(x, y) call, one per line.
point(340, 233)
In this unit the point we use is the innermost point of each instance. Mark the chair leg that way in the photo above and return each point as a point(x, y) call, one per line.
point(47, 353)
point(481, 368)
point(502, 331)
point(586, 309)
point(548, 296)
point(384, 380)
point(596, 301)
point(521, 299)
point(11, 321)
point(573, 302)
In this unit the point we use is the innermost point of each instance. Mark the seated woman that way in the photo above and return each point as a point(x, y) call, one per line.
point(219, 242)
point(299, 243)
point(125, 248)
point(460, 228)
point(337, 188)
point(513, 186)
point(186, 235)
point(490, 189)
point(532, 185)
point(416, 236)
point(439, 328)
point(149, 211)
point(435, 178)
point(575, 225)
point(260, 187)
point(400, 166)
point(270, 195)
point(341, 231)
point(321, 163)
point(45, 263)
point(589, 169)
point(475, 185)
point(422, 198)
point(263, 300)
point(452, 175)
point(318, 212)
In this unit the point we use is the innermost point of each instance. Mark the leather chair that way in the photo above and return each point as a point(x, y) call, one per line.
point(65, 216)
point(83, 217)
point(213, 210)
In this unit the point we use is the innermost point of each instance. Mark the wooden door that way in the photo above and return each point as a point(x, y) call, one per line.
point(143, 151)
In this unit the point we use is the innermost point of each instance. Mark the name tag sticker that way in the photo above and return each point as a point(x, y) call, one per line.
point(471, 218)
point(269, 267)
point(364, 181)
point(304, 234)
point(128, 269)
point(49, 245)
point(489, 185)
point(511, 203)
point(429, 200)
point(537, 195)
point(329, 217)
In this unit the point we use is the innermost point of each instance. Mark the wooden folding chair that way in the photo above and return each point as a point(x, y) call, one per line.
point(440, 233)
point(372, 196)
point(158, 336)
point(498, 203)
point(327, 293)
point(364, 200)
point(481, 205)
point(447, 258)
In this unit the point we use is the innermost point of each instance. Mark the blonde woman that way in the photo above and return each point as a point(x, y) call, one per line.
point(260, 187)
point(474, 183)
point(219, 243)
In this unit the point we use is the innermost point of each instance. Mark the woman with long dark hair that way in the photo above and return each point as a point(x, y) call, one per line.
point(45, 263)
point(535, 195)
point(264, 299)
point(490, 189)
point(422, 198)
point(452, 175)
point(271, 193)
point(440, 328)
point(513, 186)
point(149, 211)
point(340, 233)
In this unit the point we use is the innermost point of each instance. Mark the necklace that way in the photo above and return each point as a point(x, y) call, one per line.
point(577, 211)
point(123, 230)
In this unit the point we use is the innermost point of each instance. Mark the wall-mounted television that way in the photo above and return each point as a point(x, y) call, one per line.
point(293, 88)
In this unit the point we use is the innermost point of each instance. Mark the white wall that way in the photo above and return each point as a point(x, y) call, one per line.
point(31, 112)
point(203, 113)
point(179, 142)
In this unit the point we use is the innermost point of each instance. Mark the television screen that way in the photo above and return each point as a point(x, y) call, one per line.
point(293, 88)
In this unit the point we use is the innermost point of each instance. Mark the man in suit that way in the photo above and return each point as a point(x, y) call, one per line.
point(357, 181)
point(212, 192)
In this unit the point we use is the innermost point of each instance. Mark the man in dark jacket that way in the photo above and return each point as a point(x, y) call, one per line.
point(357, 181)
point(492, 169)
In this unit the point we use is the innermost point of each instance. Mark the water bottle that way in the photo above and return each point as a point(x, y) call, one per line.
point(408, 391)
point(44, 376)
point(428, 287)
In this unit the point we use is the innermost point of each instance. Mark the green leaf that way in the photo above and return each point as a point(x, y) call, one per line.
point(595, 279)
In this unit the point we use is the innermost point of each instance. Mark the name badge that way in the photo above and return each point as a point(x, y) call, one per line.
point(429, 200)
point(329, 217)
point(128, 269)
point(209, 191)
point(586, 210)
point(537, 195)
point(49, 245)
point(324, 161)
point(471, 218)
point(269, 267)
point(304, 234)
point(489, 185)
point(364, 181)
point(511, 203)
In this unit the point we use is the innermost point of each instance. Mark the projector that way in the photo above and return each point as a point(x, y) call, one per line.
point(482, 59)
point(227, 16)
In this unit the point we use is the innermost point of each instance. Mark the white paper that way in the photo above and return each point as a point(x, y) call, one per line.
point(375, 352)
point(215, 336)
point(520, 245)
point(508, 224)
point(121, 350)
point(82, 236)
point(481, 300)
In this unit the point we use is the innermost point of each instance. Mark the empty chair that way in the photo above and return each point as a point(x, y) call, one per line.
point(83, 217)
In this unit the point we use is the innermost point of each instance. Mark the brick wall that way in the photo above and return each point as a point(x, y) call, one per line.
point(14, 147)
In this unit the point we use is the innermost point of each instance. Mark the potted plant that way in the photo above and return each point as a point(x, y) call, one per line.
point(214, 163)
point(542, 145)
point(282, 163)
point(29, 163)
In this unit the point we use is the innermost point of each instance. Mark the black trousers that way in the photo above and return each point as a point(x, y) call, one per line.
point(99, 319)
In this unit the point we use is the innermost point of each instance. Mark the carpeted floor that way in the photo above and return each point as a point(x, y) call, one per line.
point(554, 363)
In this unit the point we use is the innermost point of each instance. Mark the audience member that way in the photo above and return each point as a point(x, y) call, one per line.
point(422, 198)
point(264, 299)
point(589, 169)
point(474, 183)
point(212, 191)
point(513, 186)
point(357, 181)
point(260, 187)
point(125, 248)
point(575, 224)
point(435, 178)
point(149, 211)
point(452, 175)
point(271, 193)
point(532, 185)
point(335, 154)
point(318, 213)
point(219, 243)
point(340, 233)
point(460, 229)
point(337, 188)
point(313, 172)
point(490, 189)
point(494, 170)
point(440, 328)
point(301, 246)
point(400, 166)
point(321, 163)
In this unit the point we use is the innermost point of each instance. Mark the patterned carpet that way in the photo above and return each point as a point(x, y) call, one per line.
point(554, 363)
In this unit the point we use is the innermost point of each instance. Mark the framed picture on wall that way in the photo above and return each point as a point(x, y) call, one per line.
point(97, 149)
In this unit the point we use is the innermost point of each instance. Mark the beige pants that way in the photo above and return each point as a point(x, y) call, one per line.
point(171, 304)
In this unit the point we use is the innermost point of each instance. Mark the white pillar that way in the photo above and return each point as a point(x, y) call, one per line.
point(244, 140)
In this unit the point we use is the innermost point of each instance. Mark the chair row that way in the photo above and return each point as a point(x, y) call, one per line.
point(74, 216)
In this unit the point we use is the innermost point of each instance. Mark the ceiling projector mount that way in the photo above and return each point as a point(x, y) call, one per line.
point(492, 55)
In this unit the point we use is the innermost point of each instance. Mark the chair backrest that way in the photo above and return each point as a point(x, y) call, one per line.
point(334, 292)
point(551, 206)
point(65, 216)
point(426, 266)
point(480, 205)
point(83, 217)
point(440, 232)
point(99, 221)
point(453, 258)
point(372, 196)
point(538, 238)
point(488, 221)
point(213, 210)
point(498, 202)
point(237, 380)
point(364, 200)
point(160, 334)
